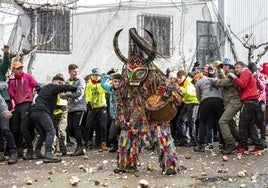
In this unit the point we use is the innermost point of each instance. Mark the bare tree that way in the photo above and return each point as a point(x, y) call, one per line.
point(245, 41)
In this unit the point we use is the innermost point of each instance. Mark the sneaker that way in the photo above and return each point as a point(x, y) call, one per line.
point(37, 155)
point(113, 150)
point(119, 170)
point(2, 157)
point(256, 150)
point(170, 171)
point(181, 143)
point(191, 144)
point(240, 149)
point(13, 158)
point(209, 147)
point(50, 158)
point(20, 152)
point(28, 155)
point(199, 148)
point(79, 151)
point(90, 143)
point(228, 149)
point(263, 141)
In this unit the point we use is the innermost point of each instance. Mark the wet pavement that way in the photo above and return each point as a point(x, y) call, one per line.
point(95, 169)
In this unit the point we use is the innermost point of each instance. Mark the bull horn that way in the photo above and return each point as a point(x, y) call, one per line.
point(116, 48)
point(154, 45)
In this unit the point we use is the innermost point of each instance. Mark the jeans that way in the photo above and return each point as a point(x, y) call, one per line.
point(45, 128)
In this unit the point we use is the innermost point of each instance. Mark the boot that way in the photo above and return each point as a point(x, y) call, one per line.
point(199, 148)
point(79, 151)
point(50, 158)
point(103, 146)
point(229, 148)
point(2, 157)
point(13, 158)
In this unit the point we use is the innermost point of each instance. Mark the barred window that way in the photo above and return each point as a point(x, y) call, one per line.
point(161, 26)
point(210, 42)
point(56, 21)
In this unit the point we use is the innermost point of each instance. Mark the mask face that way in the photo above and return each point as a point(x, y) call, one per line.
point(140, 56)
point(137, 69)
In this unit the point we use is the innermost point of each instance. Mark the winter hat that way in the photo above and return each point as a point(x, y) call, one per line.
point(252, 66)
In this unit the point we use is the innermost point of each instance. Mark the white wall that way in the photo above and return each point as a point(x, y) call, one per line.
point(93, 35)
point(247, 17)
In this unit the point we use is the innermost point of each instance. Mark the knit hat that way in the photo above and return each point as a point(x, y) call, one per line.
point(252, 66)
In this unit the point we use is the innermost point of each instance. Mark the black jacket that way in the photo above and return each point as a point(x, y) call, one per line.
point(47, 97)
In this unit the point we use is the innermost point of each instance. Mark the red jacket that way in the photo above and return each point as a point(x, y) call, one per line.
point(247, 84)
point(22, 90)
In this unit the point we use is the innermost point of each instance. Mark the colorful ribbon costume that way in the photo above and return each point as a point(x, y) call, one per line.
point(140, 80)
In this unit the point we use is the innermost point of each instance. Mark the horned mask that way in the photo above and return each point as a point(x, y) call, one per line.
point(140, 55)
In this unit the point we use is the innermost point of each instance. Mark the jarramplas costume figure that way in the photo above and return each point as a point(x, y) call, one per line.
point(142, 88)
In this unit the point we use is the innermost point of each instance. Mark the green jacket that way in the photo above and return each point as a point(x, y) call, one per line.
point(95, 95)
point(188, 91)
point(4, 65)
point(230, 91)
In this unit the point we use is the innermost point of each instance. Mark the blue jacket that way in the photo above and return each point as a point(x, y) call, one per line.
point(106, 85)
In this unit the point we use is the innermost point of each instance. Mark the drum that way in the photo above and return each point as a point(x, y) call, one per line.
point(160, 108)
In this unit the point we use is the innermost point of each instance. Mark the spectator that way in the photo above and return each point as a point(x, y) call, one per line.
point(59, 119)
point(189, 111)
point(111, 83)
point(249, 96)
point(232, 104)
point(5, 123)
point(41, 115)
point(21, 91)
point(96, 99)
point(260, 114)
point(211, 104)
point(76, 108)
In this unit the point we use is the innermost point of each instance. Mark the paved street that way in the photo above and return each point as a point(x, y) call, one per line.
point(207, 169)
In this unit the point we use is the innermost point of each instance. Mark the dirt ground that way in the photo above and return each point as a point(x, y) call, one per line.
point(95, 169)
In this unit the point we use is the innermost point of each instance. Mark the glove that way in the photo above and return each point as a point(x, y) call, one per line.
point(161, 90)
point(231, 75)
point(73, 89)
point(217, 64)
point(196, 64)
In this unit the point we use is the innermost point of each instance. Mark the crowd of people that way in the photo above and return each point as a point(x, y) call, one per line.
point(222, 102)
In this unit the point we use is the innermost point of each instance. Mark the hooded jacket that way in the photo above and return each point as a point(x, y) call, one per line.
point(22, 90)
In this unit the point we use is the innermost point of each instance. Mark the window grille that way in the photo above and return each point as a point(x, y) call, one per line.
point(58, 21)
point(161, 26)
point(210, 42)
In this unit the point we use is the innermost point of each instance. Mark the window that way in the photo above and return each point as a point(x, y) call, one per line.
point(56, 21)
point(161, 27)
point(210, 42)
